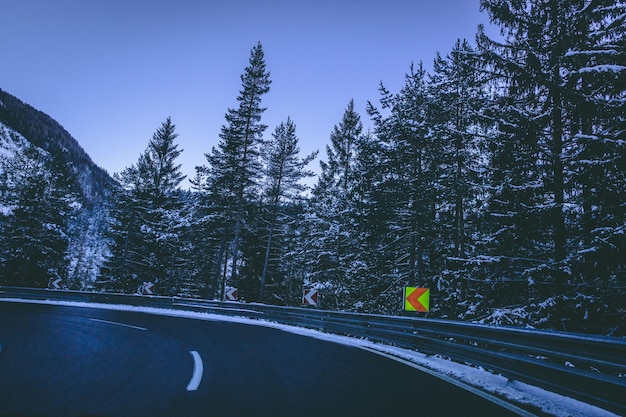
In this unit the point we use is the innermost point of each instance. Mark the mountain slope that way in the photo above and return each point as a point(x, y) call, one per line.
point(52, 202)
point(44, 132)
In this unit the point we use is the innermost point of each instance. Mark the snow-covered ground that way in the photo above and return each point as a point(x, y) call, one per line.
point(477, 380)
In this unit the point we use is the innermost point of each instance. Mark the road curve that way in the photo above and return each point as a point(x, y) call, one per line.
point(73, 361)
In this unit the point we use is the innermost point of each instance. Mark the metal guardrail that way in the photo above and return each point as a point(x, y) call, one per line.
point(588, 368)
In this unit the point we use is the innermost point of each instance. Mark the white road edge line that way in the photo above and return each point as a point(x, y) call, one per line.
point(511, 407)
point(196, 377)
point(119, 324)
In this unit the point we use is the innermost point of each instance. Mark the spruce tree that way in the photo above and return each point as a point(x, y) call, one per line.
point(556, 74)
point(528, 147)
point(457, 99)
point(284, 171)
point(335, 242)
point(411, 162)
point(595, 160)
point(595, 80)
point(146, 224)
point(234, 169)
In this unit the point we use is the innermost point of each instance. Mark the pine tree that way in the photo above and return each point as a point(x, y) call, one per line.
point(335, 242)
point(457, 99)
point(146, 227)
point(158, 173)
point(208, 234)
point(529, 185)
point(369, 220)
point(411, 162)
point(284, 173)
point(234, 169)
point(595, 160)
point(596, 73)
point(556, 72)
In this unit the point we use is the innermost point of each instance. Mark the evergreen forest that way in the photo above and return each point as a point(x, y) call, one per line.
point(497, 180)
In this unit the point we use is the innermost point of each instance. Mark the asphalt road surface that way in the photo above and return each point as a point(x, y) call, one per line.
point(71, 361)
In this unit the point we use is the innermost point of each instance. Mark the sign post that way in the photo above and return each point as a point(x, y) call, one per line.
point(416, 299)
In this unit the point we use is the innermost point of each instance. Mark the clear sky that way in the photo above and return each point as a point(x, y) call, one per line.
point(111, 71)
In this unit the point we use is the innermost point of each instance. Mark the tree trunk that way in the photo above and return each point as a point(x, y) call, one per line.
point(223, 280)
point(266, 261)
point(557, 142)
point(218, 269)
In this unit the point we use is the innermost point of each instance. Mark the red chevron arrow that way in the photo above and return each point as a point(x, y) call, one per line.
point(309, 297)
point(414, 297)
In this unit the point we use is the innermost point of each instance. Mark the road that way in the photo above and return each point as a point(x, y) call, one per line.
point(71, 361)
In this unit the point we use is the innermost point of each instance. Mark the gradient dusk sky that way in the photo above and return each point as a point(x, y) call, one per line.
point(111, 71)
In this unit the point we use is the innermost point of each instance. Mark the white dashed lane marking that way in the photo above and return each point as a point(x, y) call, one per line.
point(196, 377)
point(119, 324)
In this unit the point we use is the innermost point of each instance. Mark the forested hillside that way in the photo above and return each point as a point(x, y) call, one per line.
point(497, 179)
point(42, 131)
point(52, 199)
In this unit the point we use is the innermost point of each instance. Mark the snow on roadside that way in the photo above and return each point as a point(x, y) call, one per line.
point(511, 391)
